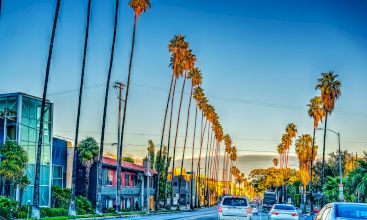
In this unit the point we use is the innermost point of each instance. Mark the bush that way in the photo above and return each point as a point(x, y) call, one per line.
point(60, 198)
point(83, 205)
point(53, 212)
point(7, 207)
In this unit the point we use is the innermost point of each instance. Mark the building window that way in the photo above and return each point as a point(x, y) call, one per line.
point(57, 177)
point(134, 178)
point(109, 178)
point(127, 180)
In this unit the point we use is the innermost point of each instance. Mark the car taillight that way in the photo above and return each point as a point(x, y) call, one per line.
point(275, 213)
point(294, 214)
point(220, 209)
point(249, 210)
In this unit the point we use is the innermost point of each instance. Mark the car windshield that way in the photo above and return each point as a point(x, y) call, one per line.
point(351, 211)
point(235, 202)
point(284, 207)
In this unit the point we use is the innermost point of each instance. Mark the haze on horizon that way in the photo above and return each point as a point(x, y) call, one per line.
point(260, 62)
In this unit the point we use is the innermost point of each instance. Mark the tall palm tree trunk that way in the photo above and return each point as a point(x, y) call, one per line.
point(199, 162)
point(175, 142)
point(205, 164)
point(35, 208)
point(161, 145)
point(311, 165)
point(198, 165)
point(101, 149)
point(126, 101)
point(208, 173)
point(184, 149)
point(323, 161)
point(169, 141)
point(192, 162)
point(72, 211)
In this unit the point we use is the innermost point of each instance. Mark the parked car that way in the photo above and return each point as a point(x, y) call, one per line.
point(283, 211)
point(345, 211)
point(234, 207)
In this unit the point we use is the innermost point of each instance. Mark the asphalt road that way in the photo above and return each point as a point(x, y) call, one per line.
point(204, 214)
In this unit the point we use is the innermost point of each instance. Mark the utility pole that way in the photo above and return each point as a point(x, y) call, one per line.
point(118, 86)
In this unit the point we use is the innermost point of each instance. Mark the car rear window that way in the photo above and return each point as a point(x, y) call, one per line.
point(284, 207)
point(351, 211)
point(235, 202)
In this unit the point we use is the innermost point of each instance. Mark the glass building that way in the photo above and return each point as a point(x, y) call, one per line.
point(19, 121)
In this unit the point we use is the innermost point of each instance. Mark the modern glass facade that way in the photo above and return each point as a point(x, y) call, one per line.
point(21, 124)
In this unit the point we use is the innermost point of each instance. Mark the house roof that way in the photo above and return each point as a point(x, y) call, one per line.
point(126, 165)
point(22, 94)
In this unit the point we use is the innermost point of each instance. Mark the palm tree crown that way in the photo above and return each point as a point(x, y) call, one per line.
point(330, 89)
point(139, 6)
point(316, 110)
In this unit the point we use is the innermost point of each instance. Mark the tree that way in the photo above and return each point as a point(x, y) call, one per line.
point(22, 183)
point(176, 47)
point(129, 159)
point(196, 80)
point(306, 154)
point(275, 162)
point(13, 165)
point(139, 7)
point(101, 149)
point(330, 92)
point(187, 63)
point(72, 211)
point(35, 207)
point(151, 153)
point(228, 145)
point(357, 180)
point(316, 112)
point(88, 154)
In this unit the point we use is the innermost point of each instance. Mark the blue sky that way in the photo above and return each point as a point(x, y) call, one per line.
point(260, 61)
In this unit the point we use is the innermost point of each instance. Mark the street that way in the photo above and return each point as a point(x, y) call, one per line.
point(205, 214)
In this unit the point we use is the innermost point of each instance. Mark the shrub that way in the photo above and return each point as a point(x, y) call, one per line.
point(7, 207)
point(83, 205)
point(53, 212)
point(60, 198)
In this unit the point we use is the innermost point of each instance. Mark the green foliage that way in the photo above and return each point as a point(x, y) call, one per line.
point(53, 212)
point(7, 207)
point(60, 198)
point(357, 180)
point(88, 151)
point(8, 203)
point(14, 163)
point(83, 205)
point(151, 152)
point(129, 159)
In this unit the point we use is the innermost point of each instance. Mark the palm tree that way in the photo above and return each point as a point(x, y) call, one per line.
point(275, 162)
point(330, 92)
point(177, 47)
point(306, 154)
point(227, 143)
point(291, 130)
point(317, 112)
point(72, 211)
point(101, 149)
point(199, 97)
point(35, 208)
point(139, 6)
point(88, 154)
point(233, 157)
point(196, 80)
point(188, 63)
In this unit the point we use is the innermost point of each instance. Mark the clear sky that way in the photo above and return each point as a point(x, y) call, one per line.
point(260, 61)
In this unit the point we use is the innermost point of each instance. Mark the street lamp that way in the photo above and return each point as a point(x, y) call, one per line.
point(341, 194)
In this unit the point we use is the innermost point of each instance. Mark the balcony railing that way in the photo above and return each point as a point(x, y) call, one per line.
point(111, 190)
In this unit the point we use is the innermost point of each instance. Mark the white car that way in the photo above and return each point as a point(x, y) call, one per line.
point(234, 207)
point(283, 211)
